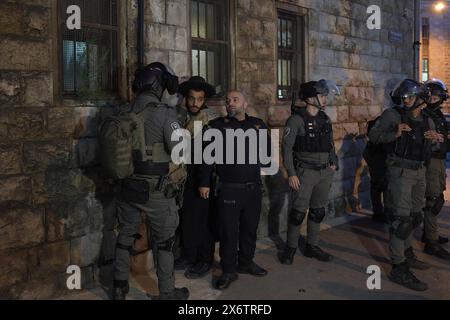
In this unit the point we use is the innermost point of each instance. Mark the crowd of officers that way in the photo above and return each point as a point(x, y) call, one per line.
point(222, 202)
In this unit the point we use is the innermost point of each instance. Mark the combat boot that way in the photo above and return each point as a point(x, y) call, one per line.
point(433, 248)
point(120, 290)
point(402, 275)
point(441, 239)
point(316, 252)
point(176, 294)
point(287, 256)
point(413, 262)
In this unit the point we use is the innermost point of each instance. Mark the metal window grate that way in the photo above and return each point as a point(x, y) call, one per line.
point(209, 23)
point(89, 55)
point(289, 54)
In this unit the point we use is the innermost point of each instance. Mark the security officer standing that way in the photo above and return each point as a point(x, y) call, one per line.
point(310, 159)
point(375, 157)
point(436, 176)
point(409, 135)
point(238, 201)
point(149, 189)
point(197, 245)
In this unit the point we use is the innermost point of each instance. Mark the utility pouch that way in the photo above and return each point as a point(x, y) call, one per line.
point(135, 190)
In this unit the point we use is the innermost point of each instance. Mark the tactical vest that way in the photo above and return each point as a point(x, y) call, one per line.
point(411, 145)
point(318, 133)
point(441, 127)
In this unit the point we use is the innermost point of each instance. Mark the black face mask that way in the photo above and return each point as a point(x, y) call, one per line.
point(434, 106)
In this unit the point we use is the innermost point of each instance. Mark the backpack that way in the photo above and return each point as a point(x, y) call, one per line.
point(120, 137)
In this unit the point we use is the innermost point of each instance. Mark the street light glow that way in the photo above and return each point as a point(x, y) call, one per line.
point(440, 6)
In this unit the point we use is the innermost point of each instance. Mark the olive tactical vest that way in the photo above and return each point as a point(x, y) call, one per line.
point(318, 133)
point(411, 145)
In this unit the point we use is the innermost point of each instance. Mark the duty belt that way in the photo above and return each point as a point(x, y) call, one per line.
point(411, 166)
point(245, 185)
point(150, 169)
point(305, 165)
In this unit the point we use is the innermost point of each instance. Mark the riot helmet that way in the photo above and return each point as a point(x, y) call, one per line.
point(155, 78)
point(313, 89)
point(439, 89)
point(408, 88)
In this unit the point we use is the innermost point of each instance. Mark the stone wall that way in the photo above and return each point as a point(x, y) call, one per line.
point(439, 44)
point(366, 65)
point(51, 198)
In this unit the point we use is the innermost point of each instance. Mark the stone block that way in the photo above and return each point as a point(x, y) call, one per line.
point(43, 156)
point(15, 190)
point(13, 268)
point(37, 57)
point(21, 228)
point(85, 250)
point(10, 159)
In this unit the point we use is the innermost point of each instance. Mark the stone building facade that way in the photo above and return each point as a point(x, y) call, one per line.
point(51, 195)
point(435, 44)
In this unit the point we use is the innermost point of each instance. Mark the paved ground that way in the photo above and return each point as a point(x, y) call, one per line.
point(355, 241)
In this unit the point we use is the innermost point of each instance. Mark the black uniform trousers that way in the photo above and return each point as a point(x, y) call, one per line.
point(238, 212)
point(197, 243)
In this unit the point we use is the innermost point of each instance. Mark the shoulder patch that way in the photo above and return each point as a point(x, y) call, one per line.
point(287, 131)
point(175, 125)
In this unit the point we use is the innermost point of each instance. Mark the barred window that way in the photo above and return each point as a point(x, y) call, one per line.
point(290, 54)
point(89, 55)
point(210, 42)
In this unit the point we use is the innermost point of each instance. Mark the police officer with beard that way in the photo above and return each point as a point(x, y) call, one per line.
point(310, 159)
point(150, 188)
point(197, 244)
point(239, 194)
point(436, 176)
point(409, 137)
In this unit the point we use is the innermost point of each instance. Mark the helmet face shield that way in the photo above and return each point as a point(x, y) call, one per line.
point(408, 88)
point(327, 88)
point(437, 88)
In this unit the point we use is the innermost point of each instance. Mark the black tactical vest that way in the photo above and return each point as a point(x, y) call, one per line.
point(441, 127)
point(412, 145)
point(318, 133)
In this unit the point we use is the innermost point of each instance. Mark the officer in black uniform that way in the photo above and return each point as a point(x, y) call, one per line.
point(238, 201)
point(436, 172)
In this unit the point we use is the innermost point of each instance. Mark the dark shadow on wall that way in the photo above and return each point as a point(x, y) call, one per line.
point(81, 204)
point(352, 180)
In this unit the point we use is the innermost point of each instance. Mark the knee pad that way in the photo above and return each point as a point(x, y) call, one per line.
point(435, 204)
point(417, 219)
point(316, 215)
point(166, 245)
point(402, 227)
point(296, 217)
